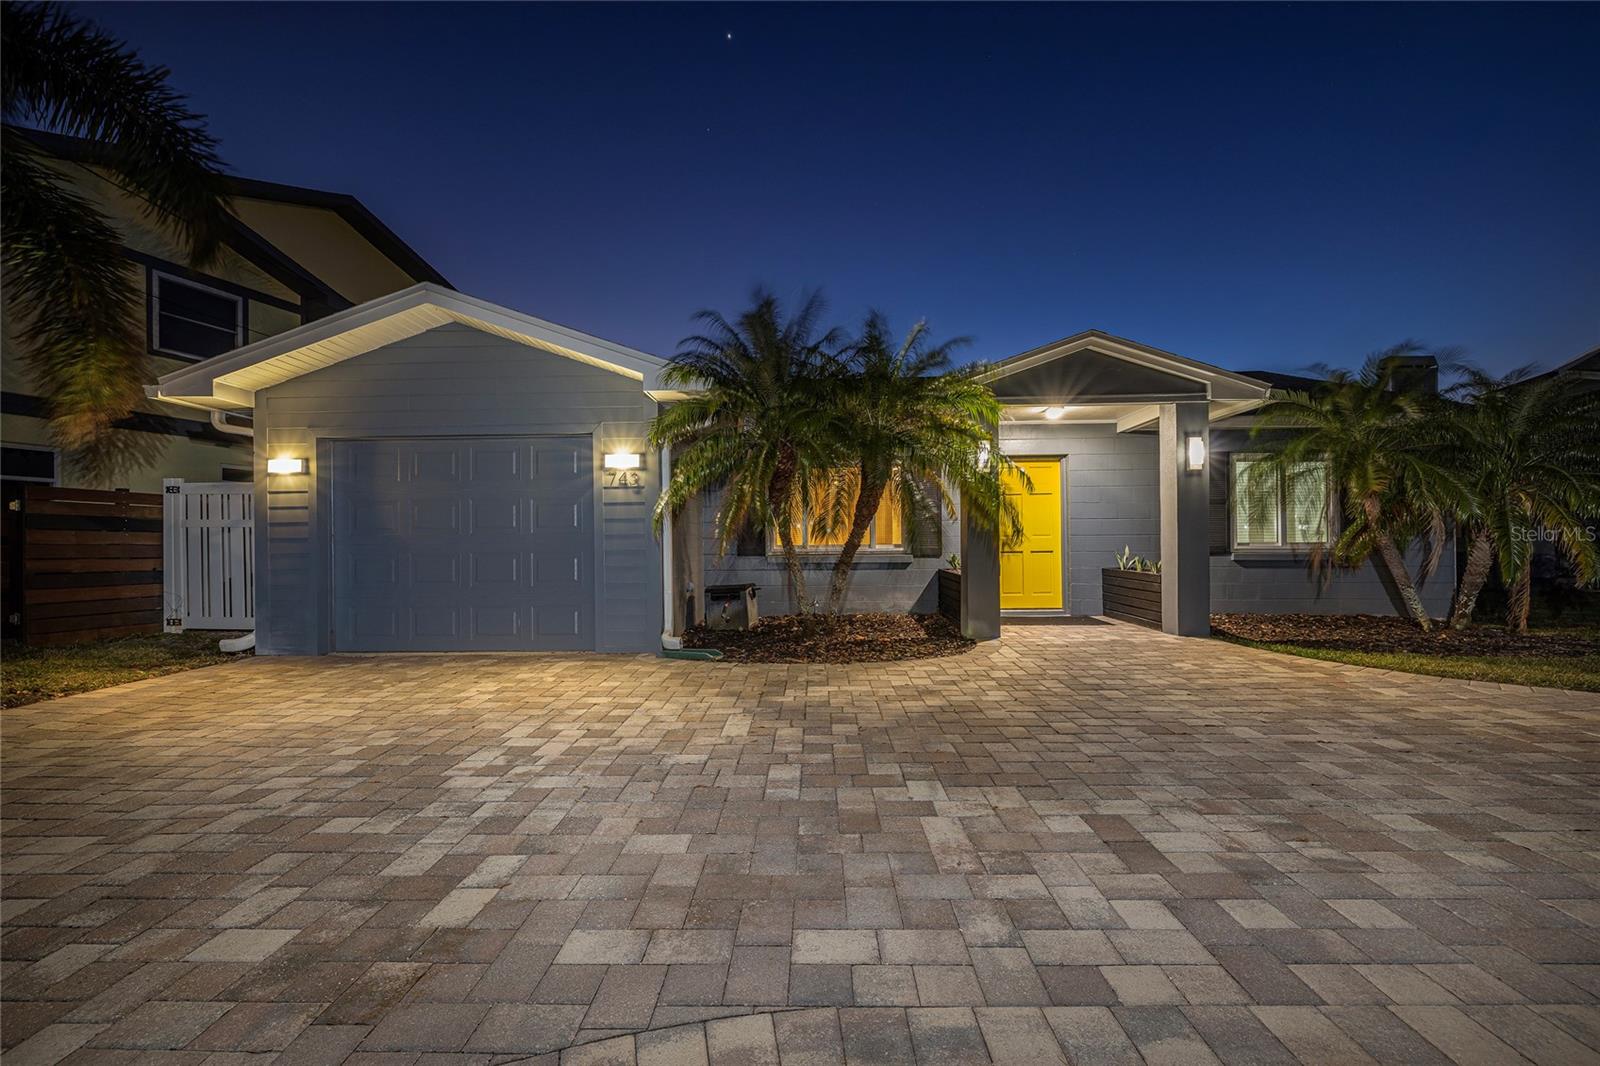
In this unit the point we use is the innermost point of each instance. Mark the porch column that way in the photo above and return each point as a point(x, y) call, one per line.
point(980, 579)
point(1185, 542)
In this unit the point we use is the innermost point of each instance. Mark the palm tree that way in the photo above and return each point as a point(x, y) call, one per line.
point(1531, 452)
point(67, 279)
point(760, 424)
point(912, 423)
point(1373, 437)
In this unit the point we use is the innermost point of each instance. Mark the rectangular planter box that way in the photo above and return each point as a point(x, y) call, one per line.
point(950, 595)
point(1131, 596)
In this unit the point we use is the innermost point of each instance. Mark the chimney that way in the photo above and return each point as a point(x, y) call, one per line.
point(1413, 373)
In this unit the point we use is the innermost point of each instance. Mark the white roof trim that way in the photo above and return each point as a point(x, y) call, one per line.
point(230, 381)
point(1220, 384)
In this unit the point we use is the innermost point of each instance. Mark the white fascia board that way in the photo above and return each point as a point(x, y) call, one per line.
point(406, 313)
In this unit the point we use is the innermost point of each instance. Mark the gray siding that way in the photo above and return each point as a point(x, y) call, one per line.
point(1287, 586)
point(450, 381)
point(887, 581)
point(1113, 496)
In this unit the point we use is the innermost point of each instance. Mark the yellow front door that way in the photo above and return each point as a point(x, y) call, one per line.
point(1030, 571)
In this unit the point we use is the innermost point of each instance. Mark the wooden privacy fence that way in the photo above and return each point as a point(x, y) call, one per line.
point(210, 555)
point(90, 564)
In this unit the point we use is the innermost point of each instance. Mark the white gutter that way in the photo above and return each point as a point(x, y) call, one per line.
point(668, 638)
point(219, 421)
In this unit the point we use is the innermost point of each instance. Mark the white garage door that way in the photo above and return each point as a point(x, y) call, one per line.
point(463, 544)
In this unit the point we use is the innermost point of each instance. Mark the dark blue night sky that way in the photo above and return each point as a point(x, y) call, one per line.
point(1257, 186)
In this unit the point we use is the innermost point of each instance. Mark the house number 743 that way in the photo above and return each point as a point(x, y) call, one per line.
point(623, 479)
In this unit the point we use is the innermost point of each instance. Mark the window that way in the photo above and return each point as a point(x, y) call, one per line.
point(193, 321)
point(238, 473)
point(26, 462)
point(884, 532)
point(1279, 508)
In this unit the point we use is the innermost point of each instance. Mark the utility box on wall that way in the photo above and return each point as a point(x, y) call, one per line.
point(731, 607)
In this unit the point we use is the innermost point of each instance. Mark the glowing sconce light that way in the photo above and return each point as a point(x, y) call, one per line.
point(623, 460)
point(1194, 452)
point(1054, 413)
point(285, 464)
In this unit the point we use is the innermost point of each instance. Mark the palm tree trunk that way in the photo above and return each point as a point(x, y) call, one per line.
point(1396, 563)
point(1521, 600)
point(779, 497)
point(1480, 559)
point(867, 501)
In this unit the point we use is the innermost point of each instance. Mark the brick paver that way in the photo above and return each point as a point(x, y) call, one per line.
point(1085, 843)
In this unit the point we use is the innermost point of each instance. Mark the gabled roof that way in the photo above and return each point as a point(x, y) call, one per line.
point(230, 381)
point(353, 211)
point(1096, 372)
point(1219, 383)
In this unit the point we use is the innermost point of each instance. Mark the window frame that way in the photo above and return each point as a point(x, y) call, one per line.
point(157, 276)
point(55, 464)
point(1282, 545)
point(868, 543)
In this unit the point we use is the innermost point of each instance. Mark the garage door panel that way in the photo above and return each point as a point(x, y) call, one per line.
point(498, 622)
point(432, 515)
point(500, 569)
point(436, 465)
point(490, 514)
point(435, 622)
point(435, 568)
point(497, 465)
point(468, 544)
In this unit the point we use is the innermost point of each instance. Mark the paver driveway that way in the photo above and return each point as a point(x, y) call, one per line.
point(1095, 842)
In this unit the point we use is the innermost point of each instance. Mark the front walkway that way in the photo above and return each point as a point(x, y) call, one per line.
point(1096, 839)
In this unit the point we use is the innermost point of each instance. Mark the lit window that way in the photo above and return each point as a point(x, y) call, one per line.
point(1279, 508)
point(193, 321)
point(884, 532)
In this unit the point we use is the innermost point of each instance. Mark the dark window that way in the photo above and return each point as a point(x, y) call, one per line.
point(28, 464)
point(191, 320)
point(238, 473)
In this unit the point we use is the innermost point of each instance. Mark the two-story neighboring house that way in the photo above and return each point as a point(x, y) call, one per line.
point(292, 255)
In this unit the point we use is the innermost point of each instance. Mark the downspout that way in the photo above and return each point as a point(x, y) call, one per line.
point(669, 639)
point(219, 421)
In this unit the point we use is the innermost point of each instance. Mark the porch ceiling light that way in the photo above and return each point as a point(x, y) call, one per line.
point(623, 460)
point(286, 464)
point(1053, 413)
point(1194, 452)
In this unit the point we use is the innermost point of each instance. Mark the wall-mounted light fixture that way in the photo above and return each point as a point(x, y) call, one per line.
point(623, 460)
point(285, 464)
point(1194, 452)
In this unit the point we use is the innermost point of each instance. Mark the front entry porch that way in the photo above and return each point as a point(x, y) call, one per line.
point(1114, 437)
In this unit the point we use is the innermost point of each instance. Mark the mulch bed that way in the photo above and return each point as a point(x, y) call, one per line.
point(851, 638)
point(1376, 633)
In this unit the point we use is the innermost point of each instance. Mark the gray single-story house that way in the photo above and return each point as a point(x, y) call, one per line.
point(436, 473)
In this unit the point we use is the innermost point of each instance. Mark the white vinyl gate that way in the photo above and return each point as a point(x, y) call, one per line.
point(208, 548)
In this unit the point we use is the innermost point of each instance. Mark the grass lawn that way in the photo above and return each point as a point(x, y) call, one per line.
point(1549, 671)
point(1551, 655)
point(29, 674)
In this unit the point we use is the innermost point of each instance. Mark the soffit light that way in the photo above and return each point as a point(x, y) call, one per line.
point(1054, 413)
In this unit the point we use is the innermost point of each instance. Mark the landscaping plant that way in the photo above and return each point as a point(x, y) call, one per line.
point(914, 427)
point(67, 279)
point(1530, 452)
point(762, 422)
point(1378, 443)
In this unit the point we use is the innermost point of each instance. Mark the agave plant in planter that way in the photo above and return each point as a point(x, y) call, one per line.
point(1131, 590)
